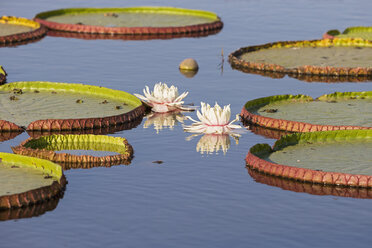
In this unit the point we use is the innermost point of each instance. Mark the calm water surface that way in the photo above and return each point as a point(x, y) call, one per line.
point(190, 200)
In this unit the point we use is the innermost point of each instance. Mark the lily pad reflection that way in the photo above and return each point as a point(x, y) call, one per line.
point(30, 211)
point(310, 188)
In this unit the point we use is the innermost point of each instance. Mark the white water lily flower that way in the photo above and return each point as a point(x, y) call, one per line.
point(160, 120)
point(163, 98)
point(213, 120)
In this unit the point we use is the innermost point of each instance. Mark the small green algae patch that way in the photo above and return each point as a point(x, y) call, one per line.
point(354, 112)
point(15, 179)
point(10, 29)
point(352, 157)
point(293, 57)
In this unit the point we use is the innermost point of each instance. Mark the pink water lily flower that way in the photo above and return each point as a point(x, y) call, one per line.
point(163, 98)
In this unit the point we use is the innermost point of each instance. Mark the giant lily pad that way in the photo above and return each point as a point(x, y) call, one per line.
point(64, 106)
point(309, 188)
point(15, 30)
point(350, 32)
point(329, 57)
point(45, 147)
point(301, 113)
point(133, 20)
point(331, 157)
point(26, 181)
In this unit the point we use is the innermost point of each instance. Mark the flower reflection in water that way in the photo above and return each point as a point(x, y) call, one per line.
point(164, 120)
point(213, 143)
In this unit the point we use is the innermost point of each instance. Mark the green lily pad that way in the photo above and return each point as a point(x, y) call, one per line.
point(64, 106)
point(350, 32)
point(133, 20)
point(300, 113)
point(329, 57)
point(26, 181)
point(330, 157)
point(46, 147)
point(17, 29)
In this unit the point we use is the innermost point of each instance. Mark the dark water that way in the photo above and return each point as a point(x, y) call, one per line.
point(190, 200)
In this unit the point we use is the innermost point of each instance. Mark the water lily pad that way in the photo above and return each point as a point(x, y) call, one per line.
point(26, 181)
point(133, 20)
point(309, 188)
point(15, 30)
point(46, 146)
point(332, 157)
point(301, 113)
point(329, 57)
point(350, 32)
point(64, 106)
